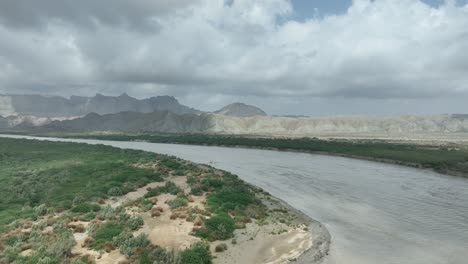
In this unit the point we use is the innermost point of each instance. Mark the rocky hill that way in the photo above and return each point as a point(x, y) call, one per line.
point(55, 106)
point(263, 125)
point(241, 110)
point(162, 121)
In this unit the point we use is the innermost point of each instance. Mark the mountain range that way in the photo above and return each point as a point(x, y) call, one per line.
point(165, 114)
point(56, 106)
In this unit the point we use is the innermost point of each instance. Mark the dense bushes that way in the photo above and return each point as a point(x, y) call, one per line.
point(135, 222)
point(128, 244)
point(218, 227)
point(169, 187)
point(46, 249)
point(85, 208)
point(105, 233)
point(55, 173)
point(231, 197)
point(198, 253)
point(178, 202)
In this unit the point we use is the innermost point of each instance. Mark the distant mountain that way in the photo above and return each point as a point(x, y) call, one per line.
point(162, 121)
point(241, 110)
point(55, 106)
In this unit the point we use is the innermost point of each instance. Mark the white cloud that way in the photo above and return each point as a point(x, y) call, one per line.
point(377, 49)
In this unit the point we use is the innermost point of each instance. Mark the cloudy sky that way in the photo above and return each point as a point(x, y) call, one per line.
point(289, 57)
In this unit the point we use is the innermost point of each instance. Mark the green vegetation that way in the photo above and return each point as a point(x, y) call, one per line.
point(178, 202)
point(228, 195)
point(444, 159)
point(85, 208)
point(218, 227)
point(47, 249)
point(169, 187)
point(70, 181)
point(39, 176)
point(105, 233)
point(198, 253)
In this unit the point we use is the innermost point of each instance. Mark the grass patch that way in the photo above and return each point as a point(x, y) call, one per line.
point(105, 233)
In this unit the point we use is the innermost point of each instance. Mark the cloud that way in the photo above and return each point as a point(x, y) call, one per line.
point(380, 49)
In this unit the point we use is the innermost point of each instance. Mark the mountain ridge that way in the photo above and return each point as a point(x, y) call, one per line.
point(57, 106)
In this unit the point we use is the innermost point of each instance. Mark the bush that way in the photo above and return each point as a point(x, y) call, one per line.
point(171, 163)
point(128, 244)
point(197, 191)
point(107, 213)
point(62, 247)
point(169, 187)
point(115, 191)
point(135, 222)
point(105, 233)
point(145, 205)
point(231, 197)
point(218, 227)
point(41, 209)
point(178, 202)
point(221, 247)
point(211, 183)
point(89, 216)
point(198, 253)
point(86, 208)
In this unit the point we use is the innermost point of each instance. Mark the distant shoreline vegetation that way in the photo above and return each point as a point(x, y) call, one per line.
point(446, 160)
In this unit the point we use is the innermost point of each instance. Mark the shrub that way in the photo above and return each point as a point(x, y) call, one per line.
point(178, 202)
point(221, 247)
point(107, 213)
point(89, 216)
point(171, 163)
point(62, 246)
point(197, 191)
point(146, 205)
point(135, 222)
point(169, 187)
point(218, 227)
point(41, 209)
point(86, 208)
point(105, 233)
point(198, 253)
point(115, 191)
point(128, 244)
point(156, 255)
point(179, 172)
point(210, 183)
point(232, 197)
point(9, 254)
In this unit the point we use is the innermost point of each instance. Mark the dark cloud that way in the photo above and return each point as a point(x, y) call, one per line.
point(137, 14)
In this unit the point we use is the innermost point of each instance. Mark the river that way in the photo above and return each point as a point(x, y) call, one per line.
point(376, 213)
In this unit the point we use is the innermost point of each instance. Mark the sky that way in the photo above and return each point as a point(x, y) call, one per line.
point(295, 57)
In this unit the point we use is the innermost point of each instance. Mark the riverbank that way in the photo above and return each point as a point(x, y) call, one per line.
point(445, 158)
point(264, 229)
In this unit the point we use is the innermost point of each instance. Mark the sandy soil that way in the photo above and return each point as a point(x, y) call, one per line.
point(271, 243)
point(163, 231)
point(265, 246)
point(116, 201)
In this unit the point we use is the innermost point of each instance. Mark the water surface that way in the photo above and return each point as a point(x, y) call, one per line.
point(376, 213)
